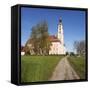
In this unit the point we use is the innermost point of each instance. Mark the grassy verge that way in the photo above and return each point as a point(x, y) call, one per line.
point(38, 68)
point(78, 63)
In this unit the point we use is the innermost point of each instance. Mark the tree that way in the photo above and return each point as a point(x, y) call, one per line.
point(72, 54)
point(79, 46)
point(40, 38)
point(27, 51)
point(34, 39)
point(67, 53)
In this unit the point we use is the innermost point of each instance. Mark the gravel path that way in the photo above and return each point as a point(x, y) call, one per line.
point(64, 71)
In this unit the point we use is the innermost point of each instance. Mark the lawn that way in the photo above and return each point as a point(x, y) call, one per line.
point(78, 63)
point(38, 68)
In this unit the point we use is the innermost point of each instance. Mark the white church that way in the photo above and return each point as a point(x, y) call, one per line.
point(57, 42)
point(58, 46)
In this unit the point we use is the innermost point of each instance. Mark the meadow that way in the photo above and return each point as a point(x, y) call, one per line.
point(78, 63)
point(38, 68)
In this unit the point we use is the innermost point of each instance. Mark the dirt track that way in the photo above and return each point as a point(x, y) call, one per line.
point(64, 71)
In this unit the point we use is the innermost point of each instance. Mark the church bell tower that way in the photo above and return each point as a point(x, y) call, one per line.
point(60, 32)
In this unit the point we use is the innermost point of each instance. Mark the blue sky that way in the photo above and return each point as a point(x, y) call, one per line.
point(73, 23)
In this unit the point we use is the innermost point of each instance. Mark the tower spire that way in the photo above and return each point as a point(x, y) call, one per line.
point(60, 31)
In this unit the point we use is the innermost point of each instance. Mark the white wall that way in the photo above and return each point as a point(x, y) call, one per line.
point(22, 53)
point(5, 45)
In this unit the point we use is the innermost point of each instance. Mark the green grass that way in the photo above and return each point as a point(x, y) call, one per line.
point(38, 68)
point(78, 63)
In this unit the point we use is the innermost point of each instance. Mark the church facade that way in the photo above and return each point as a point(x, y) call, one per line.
point(58, 46)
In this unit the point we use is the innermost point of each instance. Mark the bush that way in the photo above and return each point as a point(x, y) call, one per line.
point(72, 54)
point(67, 53)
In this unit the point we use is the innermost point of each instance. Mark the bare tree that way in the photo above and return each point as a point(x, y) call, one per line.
point(40, 38)
point(79, 46)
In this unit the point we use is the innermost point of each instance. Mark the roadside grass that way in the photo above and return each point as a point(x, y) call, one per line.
point(78, 63)
point(38, 68)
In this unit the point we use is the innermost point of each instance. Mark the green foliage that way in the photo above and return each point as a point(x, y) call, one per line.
point(78, 63)
point(38, 68)
point(67, 53)
point(72, 54)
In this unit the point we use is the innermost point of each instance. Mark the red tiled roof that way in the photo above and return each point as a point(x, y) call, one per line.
point(53, 38)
